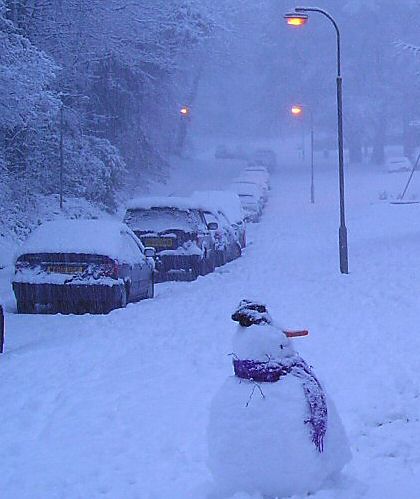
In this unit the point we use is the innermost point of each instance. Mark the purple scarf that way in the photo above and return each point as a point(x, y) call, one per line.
point(271, 371)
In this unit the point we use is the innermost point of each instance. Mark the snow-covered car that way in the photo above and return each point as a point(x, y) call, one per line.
point(178, 231)
point(231, 206)
point(260, 186)
point(78, 266)
point(256, 178)
point(398, 164)
point(252, 203)
point(265, 157)
point(226, 244)
point(259, 172)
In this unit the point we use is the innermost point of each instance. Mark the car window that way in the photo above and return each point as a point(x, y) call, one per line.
point(160, 219)
point(137, 242)
point(134, 248)
point(200, 220)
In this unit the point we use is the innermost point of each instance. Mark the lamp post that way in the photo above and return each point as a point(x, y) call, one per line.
point(297, 19)
point(297, 111)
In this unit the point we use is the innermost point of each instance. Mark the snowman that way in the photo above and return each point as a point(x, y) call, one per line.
point(272, 428)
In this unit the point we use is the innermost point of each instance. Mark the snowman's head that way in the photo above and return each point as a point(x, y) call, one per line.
point(252, 341)
point(251, 313)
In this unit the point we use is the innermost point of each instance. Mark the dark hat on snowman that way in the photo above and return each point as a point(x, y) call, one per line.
point(250, 313)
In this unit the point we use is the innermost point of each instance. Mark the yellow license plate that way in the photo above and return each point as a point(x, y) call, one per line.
point(163, 242)
point(64, 269)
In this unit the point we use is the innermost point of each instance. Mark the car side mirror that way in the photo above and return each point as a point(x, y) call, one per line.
point(213, 226)
point(149, 252)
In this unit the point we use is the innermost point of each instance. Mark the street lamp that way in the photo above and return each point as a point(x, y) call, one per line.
point(297, 19)
point(297, 111)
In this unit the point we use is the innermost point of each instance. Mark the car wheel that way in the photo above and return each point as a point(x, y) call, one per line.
point(25, 307)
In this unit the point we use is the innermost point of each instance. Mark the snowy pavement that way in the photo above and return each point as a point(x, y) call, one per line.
point(117, 406)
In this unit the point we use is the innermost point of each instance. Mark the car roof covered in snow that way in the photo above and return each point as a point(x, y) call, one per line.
point(147, 203)
point(226, 201)
point(98, 237)
point(180, 203)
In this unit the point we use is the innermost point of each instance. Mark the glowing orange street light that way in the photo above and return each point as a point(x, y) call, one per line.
point(295, 19)
point(185, 111)
point(296, 110)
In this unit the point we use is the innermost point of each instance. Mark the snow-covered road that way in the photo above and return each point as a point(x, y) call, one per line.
point(117, 406)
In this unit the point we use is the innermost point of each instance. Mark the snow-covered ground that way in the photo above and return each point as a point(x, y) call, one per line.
point(117, 406)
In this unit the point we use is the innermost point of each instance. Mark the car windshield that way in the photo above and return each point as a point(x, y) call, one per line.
point(162, 219)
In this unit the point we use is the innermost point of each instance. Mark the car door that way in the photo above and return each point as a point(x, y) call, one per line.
point(230, 232)
point(219, 235)
point(144, 269)
point(136, 267)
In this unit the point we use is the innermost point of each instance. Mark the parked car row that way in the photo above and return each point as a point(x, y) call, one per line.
point(191, 236)
point(79, 266)
point(252, 187)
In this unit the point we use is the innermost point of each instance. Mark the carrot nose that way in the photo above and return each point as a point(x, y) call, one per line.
point(296, 334)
